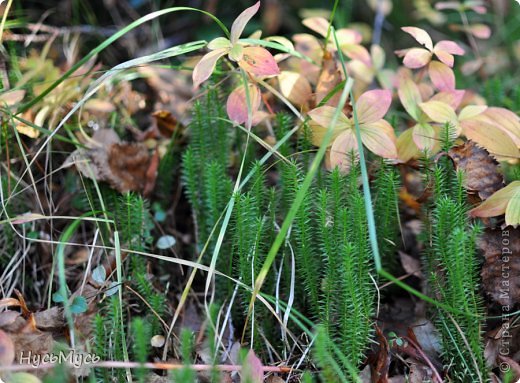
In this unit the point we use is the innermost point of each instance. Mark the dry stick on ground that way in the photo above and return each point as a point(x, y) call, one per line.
point(151, 366)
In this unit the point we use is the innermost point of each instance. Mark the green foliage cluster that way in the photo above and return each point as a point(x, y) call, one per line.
point(326, 264)
point(452, 268)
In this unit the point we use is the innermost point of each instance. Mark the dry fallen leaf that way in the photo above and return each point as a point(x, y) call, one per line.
point(480, 169)
point(501, 270)
point(330, 77)
point(410, 264)
point(123, 165)
point(166, 122)
point(7, 352)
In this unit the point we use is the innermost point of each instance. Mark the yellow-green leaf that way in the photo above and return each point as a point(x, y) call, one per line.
point(497, 203)
point(424, 136)
point(410, 97)
point(439, 112)
point(513, 209)
point(493, 139)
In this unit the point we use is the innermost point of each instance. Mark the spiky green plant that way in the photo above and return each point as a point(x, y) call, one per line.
point(452, 267)
point(141, 340)
point(386, 210)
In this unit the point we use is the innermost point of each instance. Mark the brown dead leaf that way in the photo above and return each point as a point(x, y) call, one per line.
point(410, 264)
point(151, 174)
point(173, 88)
point(481, 170)
point(501, 270)
point(274, 379)
point(427, 337)
point(78, 257)
point(381, 366)
point(50, 319)
point(7, 317)
point(122, 165)
point(500, 340)
point(419, 372)
point(35, 342)
point(330, 77)
point(6, 349)
point(166, 123)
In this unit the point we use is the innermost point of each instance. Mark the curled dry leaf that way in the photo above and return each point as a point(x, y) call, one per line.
point(123, 165)
point(166, 123)
point(501, 270)
point(481, 173)
point(329, 78)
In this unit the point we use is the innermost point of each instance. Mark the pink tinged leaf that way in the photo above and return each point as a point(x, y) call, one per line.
point(471, 111)
point(439, 112)
point(406, 147)
point(319, 25)
point(493, 139)
point(479, 9)
point(259, 116)
point(342, 149)
point(373, 105)
point(453, 97)
point(449, 47)
point(445, 57)
point(236, 106)
point(470, 67)
point(309, 46)
point(480, 31)
point(426, 90)
point(402, 52)
point(348, 36)
point(295, 87)
point(417, 58)
point(513, 209)
point(497, 203)
point(379, 138)
point(420, 35)
point(356, 52)
point(240, 22)
point(441, 76)
point(324, 115)
point(253, 369)
point(442, 5)
point(424, 136)
point(206, 65)
point(258, 62)
point(410, 97)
